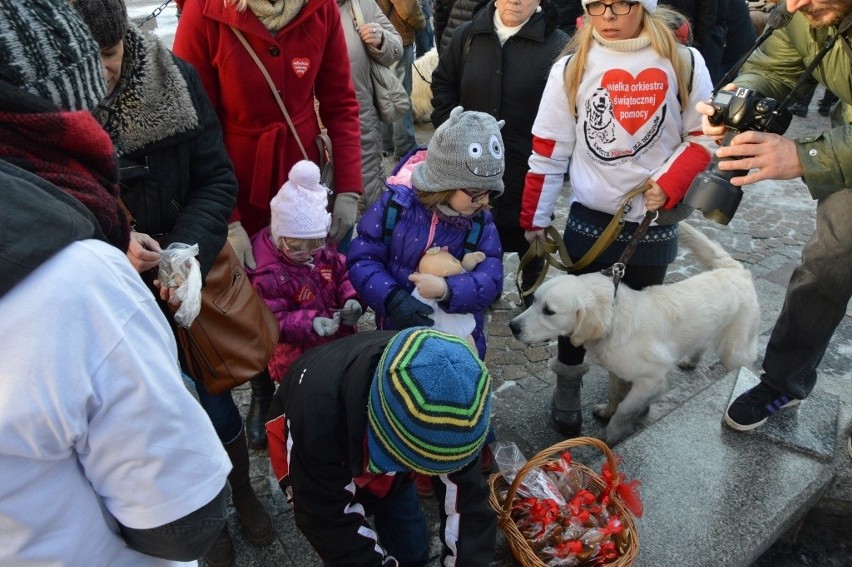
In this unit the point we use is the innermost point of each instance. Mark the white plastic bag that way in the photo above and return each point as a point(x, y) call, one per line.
point(536, 483)
point(180, 269)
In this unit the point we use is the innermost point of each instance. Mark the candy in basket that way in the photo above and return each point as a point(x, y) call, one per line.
point(557, 513)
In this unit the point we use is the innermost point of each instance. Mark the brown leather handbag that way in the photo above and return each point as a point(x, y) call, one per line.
point(235, 333)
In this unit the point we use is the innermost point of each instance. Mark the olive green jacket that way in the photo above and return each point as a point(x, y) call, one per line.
point(773, 70)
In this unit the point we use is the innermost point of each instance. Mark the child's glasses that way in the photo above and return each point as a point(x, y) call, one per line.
point(479, 196)
point(617, 8)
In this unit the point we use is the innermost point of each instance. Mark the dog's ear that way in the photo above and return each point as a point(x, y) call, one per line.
point(591, 321)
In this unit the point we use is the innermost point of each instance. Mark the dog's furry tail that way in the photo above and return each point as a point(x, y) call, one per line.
point(710, 254)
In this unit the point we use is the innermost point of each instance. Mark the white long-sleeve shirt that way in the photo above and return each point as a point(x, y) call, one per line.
point(629, 127)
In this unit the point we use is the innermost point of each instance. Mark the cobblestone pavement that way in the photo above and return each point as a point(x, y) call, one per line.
point(774, 221)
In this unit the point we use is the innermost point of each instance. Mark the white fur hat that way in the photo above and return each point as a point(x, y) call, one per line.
point(649, 5)
point(299, 208)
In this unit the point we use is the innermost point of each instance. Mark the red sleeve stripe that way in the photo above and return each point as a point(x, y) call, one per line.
point(543, 146)
point(529, 204)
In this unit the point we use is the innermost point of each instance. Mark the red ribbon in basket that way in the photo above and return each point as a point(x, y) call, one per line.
point(628, 491)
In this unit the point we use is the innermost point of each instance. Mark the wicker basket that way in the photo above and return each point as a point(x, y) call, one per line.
point(517, 542)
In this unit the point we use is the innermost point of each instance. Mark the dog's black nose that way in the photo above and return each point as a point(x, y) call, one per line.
point(514, 327)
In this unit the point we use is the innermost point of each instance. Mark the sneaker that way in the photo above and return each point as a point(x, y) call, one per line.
point(753, 407)
point(824, 110)
point(424, 485)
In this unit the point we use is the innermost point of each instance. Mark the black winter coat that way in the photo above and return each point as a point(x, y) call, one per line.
point(317, 426)
point(707, 31)
point(448, 16)
point(506, 82)
point(176, 177)
point(739, 33)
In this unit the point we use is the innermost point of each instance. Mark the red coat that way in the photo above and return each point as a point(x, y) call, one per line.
point(307, 57)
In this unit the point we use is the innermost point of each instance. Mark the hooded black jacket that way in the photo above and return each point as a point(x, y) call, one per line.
point(317, 428)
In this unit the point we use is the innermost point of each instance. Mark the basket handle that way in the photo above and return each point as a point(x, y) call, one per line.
point(543, 456)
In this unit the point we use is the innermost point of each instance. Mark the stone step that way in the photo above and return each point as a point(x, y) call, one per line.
point(714, 496)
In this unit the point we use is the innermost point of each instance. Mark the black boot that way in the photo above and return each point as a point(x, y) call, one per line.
point(565, 406)
point(262, 390)
point(799, 109)
point(221, 554)
point(257, 523)
point(826, 103)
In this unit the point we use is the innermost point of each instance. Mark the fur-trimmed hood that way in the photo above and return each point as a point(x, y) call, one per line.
point(152, 101)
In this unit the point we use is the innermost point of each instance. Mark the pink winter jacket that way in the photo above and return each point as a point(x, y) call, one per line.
point(297, 294)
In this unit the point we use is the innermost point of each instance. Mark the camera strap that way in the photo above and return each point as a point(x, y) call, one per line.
point(842, 28)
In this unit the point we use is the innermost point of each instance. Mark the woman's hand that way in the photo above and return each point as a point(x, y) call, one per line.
point(167, 294)
point(655, 197)
point(372, 34)
point(143, 252)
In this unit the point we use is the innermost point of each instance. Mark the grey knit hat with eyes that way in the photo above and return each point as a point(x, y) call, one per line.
point(47, 50)
point(466, 152)
point(107, 19)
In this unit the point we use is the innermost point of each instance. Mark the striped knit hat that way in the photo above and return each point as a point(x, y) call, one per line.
point(429, 404)
point(47, 50)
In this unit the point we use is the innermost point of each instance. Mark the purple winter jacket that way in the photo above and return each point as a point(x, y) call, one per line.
point(376, 270)
point(298, 293)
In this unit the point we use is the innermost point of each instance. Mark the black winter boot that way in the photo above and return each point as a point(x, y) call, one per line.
point(257, 523)
point(221, 554)
point(262, 390)
point(826, 103)
point(565, 407)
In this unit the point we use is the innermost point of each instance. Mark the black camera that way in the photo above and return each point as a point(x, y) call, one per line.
point(711, 191)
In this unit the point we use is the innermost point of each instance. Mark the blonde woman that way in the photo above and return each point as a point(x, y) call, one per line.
point(617, 113)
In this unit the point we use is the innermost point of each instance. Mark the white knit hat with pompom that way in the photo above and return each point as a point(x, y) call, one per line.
point(299, 210)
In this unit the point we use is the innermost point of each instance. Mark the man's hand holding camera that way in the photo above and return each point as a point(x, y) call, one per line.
point(766, 155)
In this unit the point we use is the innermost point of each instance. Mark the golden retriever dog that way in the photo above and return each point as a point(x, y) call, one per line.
point(421, 86)
point(639, 336)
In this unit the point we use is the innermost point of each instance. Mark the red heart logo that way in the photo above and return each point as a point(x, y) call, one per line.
point(635, 99)
point(301, 66)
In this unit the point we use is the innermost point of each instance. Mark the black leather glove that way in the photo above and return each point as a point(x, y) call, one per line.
point(405, 311)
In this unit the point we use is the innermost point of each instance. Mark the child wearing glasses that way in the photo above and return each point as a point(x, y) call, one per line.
point(302, 279)
point(617, 113)
point(440, 200)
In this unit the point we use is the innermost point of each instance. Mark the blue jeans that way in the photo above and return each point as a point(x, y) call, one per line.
point(424, 40)
point(223, 413)
point(402, 529)
point(398, 138)
point(816, 301)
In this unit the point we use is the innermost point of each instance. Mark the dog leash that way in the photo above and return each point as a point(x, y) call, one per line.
point(617, 270)
point(552, 246)
point(425, 80)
